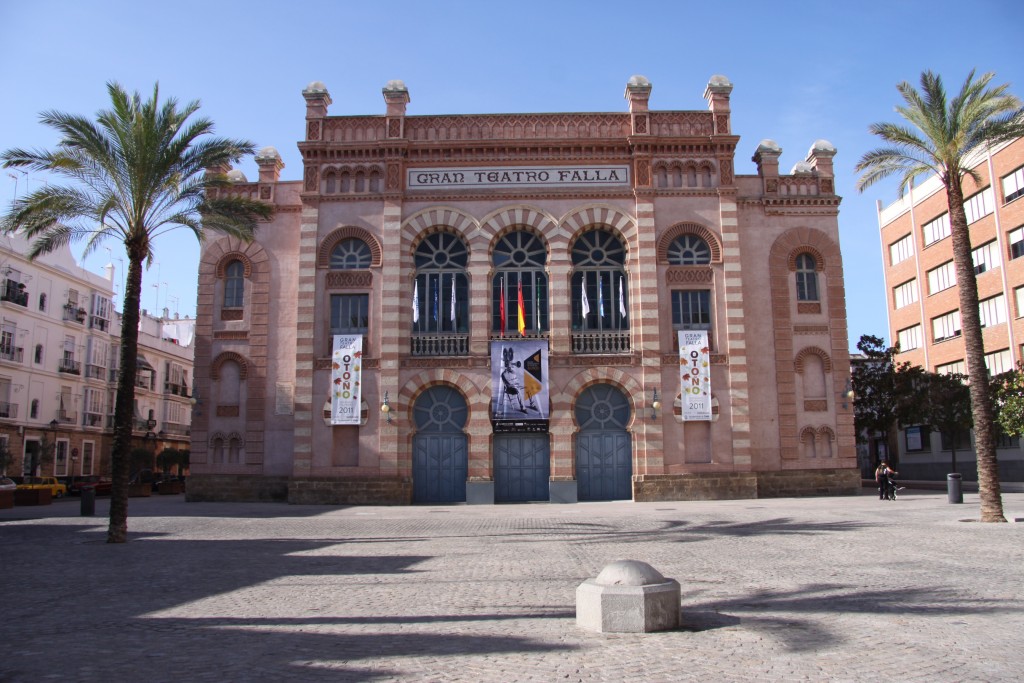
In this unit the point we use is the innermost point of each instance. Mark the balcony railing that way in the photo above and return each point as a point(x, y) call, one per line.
point(142, 382)
point(67, 418)
point(176, 429)
point(12, 353)
point(92, 420)
point(98, 323)
point(15, 293)
point(176, 389)
point(440, 345)
point(600, 342)
point(70, 366)
point(74, 314)
point(95, 371)
point(8, 410)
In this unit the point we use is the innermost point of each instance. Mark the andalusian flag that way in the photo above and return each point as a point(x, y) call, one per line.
point(522, 311)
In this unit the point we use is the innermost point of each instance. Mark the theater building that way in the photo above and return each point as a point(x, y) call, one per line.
point(526, 307)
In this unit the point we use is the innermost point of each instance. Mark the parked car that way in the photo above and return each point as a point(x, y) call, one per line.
point(7, 484)
point(100, 484)
point(57, 489)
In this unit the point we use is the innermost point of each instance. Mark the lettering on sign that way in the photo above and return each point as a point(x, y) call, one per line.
point(544, 176)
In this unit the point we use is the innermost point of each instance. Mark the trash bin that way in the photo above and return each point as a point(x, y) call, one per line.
point(953, 492)
point(88, 501)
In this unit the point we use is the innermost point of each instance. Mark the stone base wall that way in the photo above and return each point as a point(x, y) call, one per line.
point(797, 483)
point(236, 488)
point(349, 492)
point(649, 488)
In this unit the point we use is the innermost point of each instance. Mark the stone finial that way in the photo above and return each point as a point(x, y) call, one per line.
point(819, 157)
point(638, 93)
point(236, 176)
point(717, 94)
point(317, 100)
point(767, 158)
point(270, 165)
point(396, 95)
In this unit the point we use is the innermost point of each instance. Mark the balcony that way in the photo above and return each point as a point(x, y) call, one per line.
point(11, 353)
point(74, 314)
point(142, 382)
point(176, 389)
point(92, 420)
point(439, 345)
point(8, 410)
point(98, 323)
point(173, 429)
point(70, 366)
point(67, 418)
point(15, 293)
point(601, 342)
point(95, 371)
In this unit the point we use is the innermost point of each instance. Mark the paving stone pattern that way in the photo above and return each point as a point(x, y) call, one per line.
point(842, 589)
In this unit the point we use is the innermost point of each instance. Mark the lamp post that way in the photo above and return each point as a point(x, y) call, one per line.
point(53, 442)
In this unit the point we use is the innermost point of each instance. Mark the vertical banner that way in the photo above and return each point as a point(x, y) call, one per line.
point(347, 379)
point(520, 390)
point(695, 374)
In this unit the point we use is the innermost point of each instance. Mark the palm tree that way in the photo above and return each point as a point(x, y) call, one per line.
point(943, 137)
point(140, 170)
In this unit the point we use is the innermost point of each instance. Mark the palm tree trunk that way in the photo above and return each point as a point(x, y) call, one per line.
point(117, 532)
point(970, 325)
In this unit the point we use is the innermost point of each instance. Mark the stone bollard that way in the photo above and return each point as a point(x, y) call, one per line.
point(628, 596)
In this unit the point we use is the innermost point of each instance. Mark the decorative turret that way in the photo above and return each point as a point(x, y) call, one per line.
point(717, 94)
point(638, 92)
point(396, 95)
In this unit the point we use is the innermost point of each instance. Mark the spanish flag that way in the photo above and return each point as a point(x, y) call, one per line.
point(522, 311)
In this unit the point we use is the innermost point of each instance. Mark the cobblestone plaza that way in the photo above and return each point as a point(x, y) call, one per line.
point(782, 589)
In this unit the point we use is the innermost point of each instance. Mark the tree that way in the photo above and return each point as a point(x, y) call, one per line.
point(887, 393)
point(141, 169)
point(1008, 393)
point(941, 139)
point(948, 407)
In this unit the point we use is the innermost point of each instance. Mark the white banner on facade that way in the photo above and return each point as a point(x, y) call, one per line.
point(695, 374)
point(347, 379)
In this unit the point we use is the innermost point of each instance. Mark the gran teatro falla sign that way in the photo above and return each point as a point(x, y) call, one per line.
point(477, 177)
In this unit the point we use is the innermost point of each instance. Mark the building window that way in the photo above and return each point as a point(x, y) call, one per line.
point(905, 294)
point(946, 326)
point(979, 205)
point(909, 338)
point(1016, 243)
point(1013, 185)
point(691, 310)
point(917, 438)
point(936, 230)
point(985, 257)
point(942, 277)
point(519, 259)
point(962, 442)
point(689, 250)
point(350, 313)
point(901, 249)
point(954, 368)
point(351, 254)
point(234, 285)
point(441, 289)
point(42, 302)
point(599, 300)
point(998, 362)
point(39, 354)
point(1018, 295)
point(33, 410)
point(806, 278)
point(992, 311)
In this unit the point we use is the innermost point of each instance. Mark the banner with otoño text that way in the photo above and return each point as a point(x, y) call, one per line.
point(695, 374)
point(346, 379)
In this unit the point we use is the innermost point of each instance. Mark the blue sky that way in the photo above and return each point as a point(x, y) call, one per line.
point(801, 71)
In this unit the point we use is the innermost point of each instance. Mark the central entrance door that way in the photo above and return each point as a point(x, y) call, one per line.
point(439, 449)
point(604, 449)
point(521, 467)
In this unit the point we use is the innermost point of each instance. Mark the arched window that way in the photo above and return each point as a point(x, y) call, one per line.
point(599, 299)
point(806, 278)
point(351, 253)
point(519, 259)
point(330, 183)
point(234, 285)
point(689, 250)
point(218, 449)
point(441, 288)
point(235, 450)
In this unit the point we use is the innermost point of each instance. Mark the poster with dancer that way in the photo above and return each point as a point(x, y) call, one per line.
point(520, 395)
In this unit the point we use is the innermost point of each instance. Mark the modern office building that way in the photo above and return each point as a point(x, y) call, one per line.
point(923, 299)
point(526, 307)
point(59, 346)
